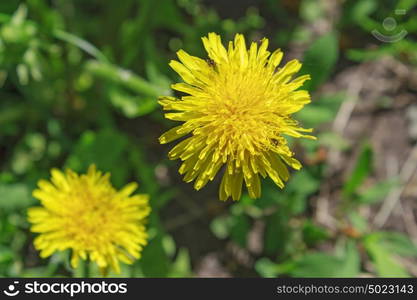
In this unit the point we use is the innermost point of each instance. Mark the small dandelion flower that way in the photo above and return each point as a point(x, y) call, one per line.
point(237, 111)
point(86, 214)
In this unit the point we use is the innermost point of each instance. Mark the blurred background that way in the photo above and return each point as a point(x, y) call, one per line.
point(79, 85)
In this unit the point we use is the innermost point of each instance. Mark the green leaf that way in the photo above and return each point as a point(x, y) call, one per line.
point(130, 105)
point(406, 4)
point(300, 186)
point(358, 222)
point(333, 140)
point(6, 255)
point(159, 80)
point(145, 172)
point(385, 264)
point(321, 110)
point(277, 234)
point(397, 243)
point(393, 49)
point(362, 9)
point(312, 234)
point(123, 77)
point(154, 262)
point(266, 268)
point(360, 172)
point(169, 245)
point(37, 272)
point(15, 196)
point(303, 183)
point(378, 191)
point(23, 74)
point(324, 265)
point(221, 226)
point(359, 13)
point(19, 15)
point(240, 229)
point(106, 149)
point(350, 262)
point(314, 115)
point(311, 10)
point(181, 267)
point(80, 43)
point(320, 59)
point(318, 264)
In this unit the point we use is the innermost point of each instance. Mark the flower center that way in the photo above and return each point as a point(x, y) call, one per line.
point(240, 114)
point(92, 217)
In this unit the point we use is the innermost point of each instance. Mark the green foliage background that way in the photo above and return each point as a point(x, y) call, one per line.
point(79, 84)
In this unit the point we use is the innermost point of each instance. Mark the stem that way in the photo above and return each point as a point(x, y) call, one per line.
point(86, 269)
point(80, 43)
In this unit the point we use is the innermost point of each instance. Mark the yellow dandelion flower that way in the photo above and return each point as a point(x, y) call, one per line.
point(86, 214)
point(238, 110)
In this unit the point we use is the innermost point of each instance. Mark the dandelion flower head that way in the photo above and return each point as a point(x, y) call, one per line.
point(235, 115)
point(86, 214)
